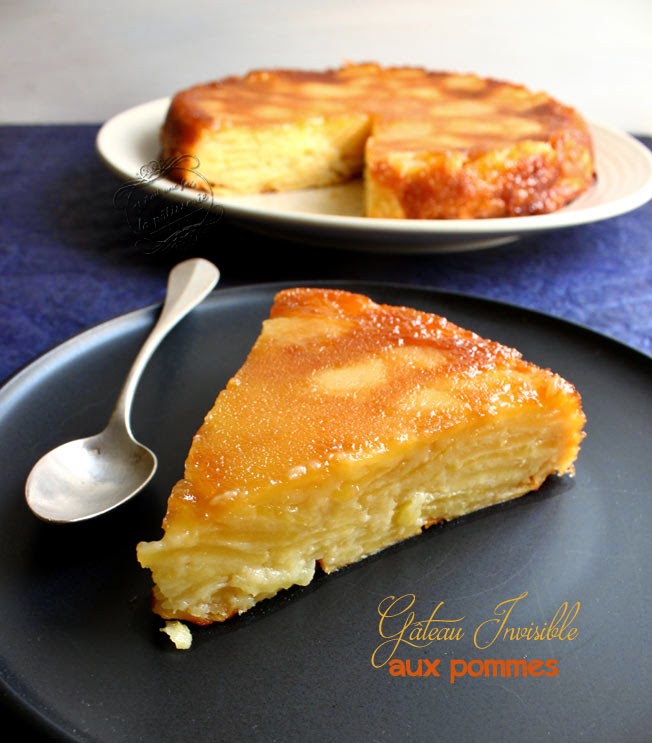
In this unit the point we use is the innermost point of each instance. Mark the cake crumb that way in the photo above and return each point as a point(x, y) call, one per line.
point(179, 633)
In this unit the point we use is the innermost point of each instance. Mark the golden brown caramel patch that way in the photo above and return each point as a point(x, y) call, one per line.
point(357, 375)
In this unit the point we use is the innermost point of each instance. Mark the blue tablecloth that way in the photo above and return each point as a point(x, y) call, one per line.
point(69, 258)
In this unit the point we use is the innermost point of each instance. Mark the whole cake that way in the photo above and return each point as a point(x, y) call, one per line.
point(429, 145)
point(351, 426)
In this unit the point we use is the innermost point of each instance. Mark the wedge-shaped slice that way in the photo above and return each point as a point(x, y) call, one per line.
point(351, 426)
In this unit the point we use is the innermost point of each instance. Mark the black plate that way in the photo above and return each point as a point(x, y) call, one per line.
point(82, 657)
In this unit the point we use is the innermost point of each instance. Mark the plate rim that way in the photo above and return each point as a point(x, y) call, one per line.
point(153, 111)
point(142, 313)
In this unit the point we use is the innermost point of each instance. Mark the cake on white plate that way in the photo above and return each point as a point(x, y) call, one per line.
point(428, 144)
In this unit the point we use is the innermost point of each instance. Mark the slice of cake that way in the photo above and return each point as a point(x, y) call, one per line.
point(350, 427)
point(429, 145)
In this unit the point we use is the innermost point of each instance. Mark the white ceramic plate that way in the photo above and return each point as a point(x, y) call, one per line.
point(128, 144)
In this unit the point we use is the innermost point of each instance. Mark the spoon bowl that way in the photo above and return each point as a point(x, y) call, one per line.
point(87, 477)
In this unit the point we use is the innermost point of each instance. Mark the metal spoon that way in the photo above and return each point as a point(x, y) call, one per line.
point(88, 477)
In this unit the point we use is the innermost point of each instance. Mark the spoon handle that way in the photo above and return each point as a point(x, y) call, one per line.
point(189, 283)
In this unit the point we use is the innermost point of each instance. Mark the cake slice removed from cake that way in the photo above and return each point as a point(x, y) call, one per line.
point(350, 427)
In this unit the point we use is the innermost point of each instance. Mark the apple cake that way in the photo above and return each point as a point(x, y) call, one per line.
point(427, 144)
point(350, 427)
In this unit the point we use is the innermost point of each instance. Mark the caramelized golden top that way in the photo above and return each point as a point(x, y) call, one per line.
point(335, 377)
point(406, 105)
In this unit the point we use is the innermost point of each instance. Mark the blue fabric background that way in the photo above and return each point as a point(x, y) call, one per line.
point(69, 258)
